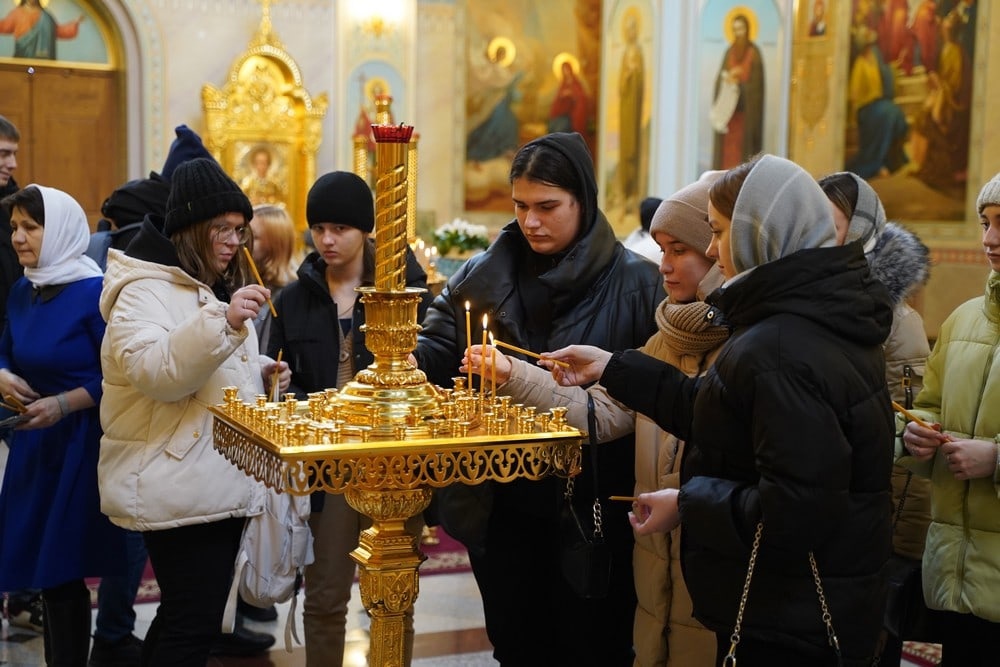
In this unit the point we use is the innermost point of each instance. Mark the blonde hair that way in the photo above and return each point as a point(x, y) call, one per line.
point(278, 267)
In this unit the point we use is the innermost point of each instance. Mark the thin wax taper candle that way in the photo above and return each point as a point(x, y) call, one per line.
point(275, 384)
point(482, 360)
point(515, 348)
point(468, 343)
point(493, 368)
point(260, 281)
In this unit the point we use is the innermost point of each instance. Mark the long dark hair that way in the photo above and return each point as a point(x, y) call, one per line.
point(29, 200)
point(842, 190)
point(197, 257)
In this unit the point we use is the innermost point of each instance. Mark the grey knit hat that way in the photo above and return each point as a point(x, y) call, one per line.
point(200, 190)
point(684, 214)
point(780, 210)
point(989, 195)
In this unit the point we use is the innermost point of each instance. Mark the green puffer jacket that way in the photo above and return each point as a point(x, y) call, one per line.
point(961, 391)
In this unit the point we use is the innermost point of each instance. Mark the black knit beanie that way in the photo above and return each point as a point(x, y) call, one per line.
point(187, 146)
point(647, 207)
point(341, 198)
point(200, 191)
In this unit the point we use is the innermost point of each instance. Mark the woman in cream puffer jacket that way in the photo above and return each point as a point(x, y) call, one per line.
point(179, 330)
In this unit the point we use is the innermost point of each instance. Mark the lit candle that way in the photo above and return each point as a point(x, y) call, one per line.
point(468, 342)
point(493, 368)
point(482, 361)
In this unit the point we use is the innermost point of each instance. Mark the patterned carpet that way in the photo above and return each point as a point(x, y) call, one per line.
point(922, 654)
point(448, 556)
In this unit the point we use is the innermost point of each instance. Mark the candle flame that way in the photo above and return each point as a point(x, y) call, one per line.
point(491, 338)
point(486, 321)
point(466, 306)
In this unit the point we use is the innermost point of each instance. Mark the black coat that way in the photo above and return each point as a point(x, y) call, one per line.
point(793, 427)
point(601, 294)
point(10, 268)
point(306, 328)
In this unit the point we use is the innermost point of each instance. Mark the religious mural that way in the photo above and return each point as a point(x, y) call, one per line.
point(741, 83)
point(533, 68)
point(627, 102)
point(374, 84)
point(52, 30)
point(909, 102)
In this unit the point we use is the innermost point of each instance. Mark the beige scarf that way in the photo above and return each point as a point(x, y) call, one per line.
point(688, 329)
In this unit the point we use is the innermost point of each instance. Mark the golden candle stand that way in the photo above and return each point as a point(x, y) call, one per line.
point(389, 437)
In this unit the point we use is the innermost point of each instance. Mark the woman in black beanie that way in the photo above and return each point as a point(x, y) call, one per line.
point(177, 304)
point(321, 332)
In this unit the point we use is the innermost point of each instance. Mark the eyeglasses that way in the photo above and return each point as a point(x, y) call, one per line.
point(222, 233)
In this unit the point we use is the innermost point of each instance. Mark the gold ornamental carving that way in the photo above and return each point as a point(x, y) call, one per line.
point(264, 127)
point(389, 437)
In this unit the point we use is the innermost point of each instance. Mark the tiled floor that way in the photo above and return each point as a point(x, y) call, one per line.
point(448, 620)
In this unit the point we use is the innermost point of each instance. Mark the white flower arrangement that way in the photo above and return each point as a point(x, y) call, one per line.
point(461, 235)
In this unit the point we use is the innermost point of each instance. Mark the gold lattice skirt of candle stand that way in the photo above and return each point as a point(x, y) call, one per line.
point(306, 446)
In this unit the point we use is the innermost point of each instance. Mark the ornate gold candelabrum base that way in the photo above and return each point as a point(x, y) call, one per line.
point(389, 558)
point(390, 394)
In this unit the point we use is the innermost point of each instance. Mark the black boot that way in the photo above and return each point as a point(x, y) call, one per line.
point(242, 642)
point(67, 625)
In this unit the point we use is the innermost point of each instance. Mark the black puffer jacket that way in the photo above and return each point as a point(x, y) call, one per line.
point(791, 427)
point(598, 293)
point(306, 328)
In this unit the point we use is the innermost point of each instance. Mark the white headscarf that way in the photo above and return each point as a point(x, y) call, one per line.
point(780, 210)
point(62, 257)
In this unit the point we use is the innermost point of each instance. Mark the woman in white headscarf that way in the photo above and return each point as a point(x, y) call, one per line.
point(52, 532)
point(786, 471)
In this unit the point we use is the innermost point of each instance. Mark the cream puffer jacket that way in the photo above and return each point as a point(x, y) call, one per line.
point(167, 354)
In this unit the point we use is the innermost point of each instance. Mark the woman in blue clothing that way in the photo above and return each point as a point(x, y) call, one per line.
point(52, 532)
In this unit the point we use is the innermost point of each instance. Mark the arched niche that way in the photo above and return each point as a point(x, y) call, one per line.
point(264, 127)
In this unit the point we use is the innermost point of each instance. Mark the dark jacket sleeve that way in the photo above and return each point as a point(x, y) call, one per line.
point(654, 388)
point(438, 343)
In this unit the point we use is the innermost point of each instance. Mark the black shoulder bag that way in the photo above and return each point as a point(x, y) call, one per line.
point(583, 555)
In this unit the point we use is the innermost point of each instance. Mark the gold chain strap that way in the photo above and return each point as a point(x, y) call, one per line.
point(730, 659)
point(831, 636)
point(598, 514)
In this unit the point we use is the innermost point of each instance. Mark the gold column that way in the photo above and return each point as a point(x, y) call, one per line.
point(411, 190)
point(391, 146)
point(383, 110)
point(360, 166)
